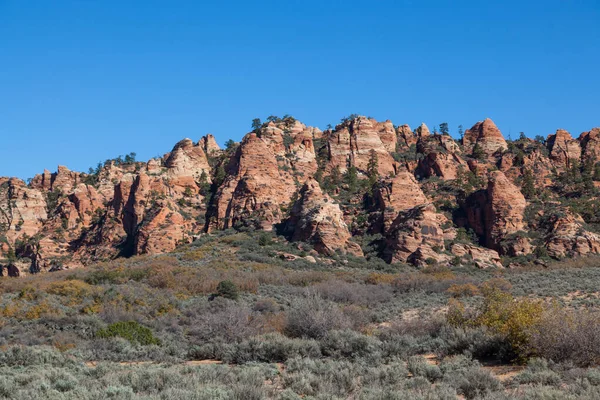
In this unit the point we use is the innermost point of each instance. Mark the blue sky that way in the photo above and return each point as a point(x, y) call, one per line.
point(83, 81)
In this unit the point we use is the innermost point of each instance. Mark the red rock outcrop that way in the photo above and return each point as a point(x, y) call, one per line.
point(400, 193)
point(406, 137)
point(352, 142)
point(485, 135)
point(255, 188)
point(209, 144)
point(388, 136)
point(441, 157)
point(187, 160)
point(162, 230)
point(496, 213)
point(302, 154)
point(68, 219)
point(316, 219)
point(482, 257)
point(64, 180)
point(22, 210)
point(590, 143)
point(568, 238)
point(563, 148)
point(422, 131)
point(417, 236)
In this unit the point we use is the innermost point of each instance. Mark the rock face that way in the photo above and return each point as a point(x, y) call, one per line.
point(68, 219)
point(482, 257)
point(590, 143)
point(209, 144)
point(316, 219)
point(441, 157)
point(388, 136)
point(22, 210)
point(417, 236)
point(486, 136)
point(353, 142)
point(62, 181)
point(563, 148)
point(422, 131)
point(496, 213)
point(406, 137)
point(124, 209)
point(397, 194)
point(301, 153)
point(402, 192)
point(188, 160)
point(255, 188)
point(567, 237)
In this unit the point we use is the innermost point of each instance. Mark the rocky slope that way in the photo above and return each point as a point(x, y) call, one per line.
point(416, 197)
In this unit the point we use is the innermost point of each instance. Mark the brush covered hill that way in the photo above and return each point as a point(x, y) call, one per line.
point(363, 189)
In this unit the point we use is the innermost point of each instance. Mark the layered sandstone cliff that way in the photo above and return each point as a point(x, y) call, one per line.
point(425, 186)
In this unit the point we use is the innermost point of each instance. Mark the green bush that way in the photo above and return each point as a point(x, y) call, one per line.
point(228, 290)
point(130, 330)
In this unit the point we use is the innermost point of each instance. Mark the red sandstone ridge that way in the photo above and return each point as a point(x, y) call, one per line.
point(286, 175)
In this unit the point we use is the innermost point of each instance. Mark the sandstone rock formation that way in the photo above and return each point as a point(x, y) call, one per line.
point(422, 131)
point(563, 148)
point(590, 143)
point(209, 144)
point(497, 212)
point(417, 236)
point(302, 153)
point(316, 219)
point(62, 181)
point(187, 160)
point(486, 136)
point(398, 194)
point(68, 219)
point(255, 188)
point(441, 157)
point(482, 257)
point(406, 137)
point(388, 136)
point(352, 143)
point(567, 237)
point(22, 209)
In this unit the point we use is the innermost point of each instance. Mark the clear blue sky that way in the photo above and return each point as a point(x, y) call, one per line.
point(83, 81)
